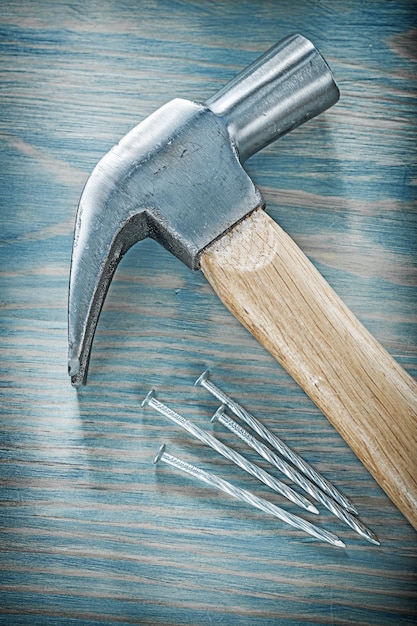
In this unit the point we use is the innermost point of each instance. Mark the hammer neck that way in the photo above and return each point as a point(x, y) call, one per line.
point(290, 84)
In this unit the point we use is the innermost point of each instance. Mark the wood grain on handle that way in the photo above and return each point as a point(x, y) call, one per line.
point(272, 288)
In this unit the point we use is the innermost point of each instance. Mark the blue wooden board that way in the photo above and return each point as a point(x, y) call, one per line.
point(91, 531)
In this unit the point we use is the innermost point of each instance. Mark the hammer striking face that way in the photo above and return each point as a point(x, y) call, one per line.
point(178, 177)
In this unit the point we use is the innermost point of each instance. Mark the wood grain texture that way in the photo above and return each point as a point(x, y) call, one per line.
point(265, 280)
point(91, 531)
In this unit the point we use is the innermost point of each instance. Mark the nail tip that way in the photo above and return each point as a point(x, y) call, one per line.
point(348, 506)
point(374, 539)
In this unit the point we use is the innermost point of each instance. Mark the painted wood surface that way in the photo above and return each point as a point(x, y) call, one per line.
point(91, 531)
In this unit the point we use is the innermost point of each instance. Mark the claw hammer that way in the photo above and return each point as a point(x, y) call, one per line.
point(178, 177)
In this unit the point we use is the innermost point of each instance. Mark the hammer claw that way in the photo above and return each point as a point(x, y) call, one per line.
point(101, 239)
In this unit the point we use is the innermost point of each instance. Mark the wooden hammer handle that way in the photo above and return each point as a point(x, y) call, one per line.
point(272, 288)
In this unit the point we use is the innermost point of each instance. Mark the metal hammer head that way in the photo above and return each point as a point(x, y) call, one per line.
point(178, 177)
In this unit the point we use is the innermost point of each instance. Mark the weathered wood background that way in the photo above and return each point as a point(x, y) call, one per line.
point(91, 531)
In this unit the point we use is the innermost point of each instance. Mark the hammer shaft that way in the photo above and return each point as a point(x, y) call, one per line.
point(272, 288)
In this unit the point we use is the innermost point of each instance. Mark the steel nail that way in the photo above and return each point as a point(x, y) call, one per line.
point(278, 444)
point(294, 475)
point(228, 453)
point(247, 496)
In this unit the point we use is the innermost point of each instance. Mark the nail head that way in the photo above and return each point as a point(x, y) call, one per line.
point(220, 411)
point(148, 398)
point(160, 453)
point(201, 379)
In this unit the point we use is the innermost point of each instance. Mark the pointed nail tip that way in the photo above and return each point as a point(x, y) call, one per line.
point(372, 538)
point(351, 509)
point(348, 506)
point(312, 509)
point(367, 534)
point(339, 543)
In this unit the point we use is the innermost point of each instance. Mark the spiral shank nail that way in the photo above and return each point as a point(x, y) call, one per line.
point(228, 453)
point(250, 498)
point(274, 441)
point(266, 453)
point(298, 478)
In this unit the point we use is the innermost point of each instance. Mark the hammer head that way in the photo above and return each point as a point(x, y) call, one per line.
point(177, 177)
